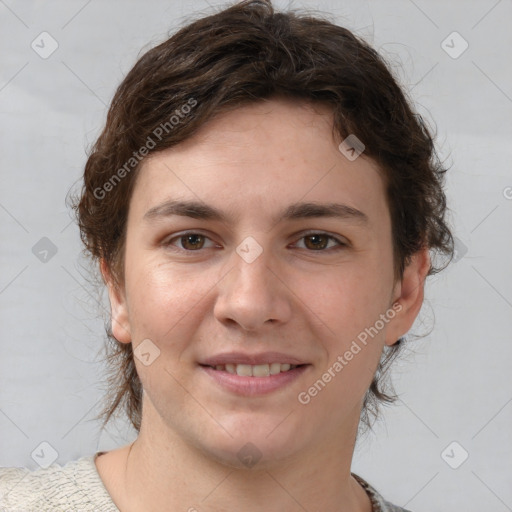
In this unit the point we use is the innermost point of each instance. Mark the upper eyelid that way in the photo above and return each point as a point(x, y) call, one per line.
point(339, 240)
point(167, 240)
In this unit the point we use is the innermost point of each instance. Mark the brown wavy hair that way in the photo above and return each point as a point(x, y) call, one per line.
point(246, 53)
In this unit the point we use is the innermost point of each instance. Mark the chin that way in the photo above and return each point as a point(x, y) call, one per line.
point(250, 456)
point(256, 444)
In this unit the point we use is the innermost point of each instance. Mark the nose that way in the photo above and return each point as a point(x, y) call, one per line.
point(253, 295)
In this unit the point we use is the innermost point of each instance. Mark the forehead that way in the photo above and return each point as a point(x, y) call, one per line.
point(259, 157)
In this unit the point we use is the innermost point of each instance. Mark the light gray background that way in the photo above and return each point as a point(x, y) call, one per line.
point(455, 384)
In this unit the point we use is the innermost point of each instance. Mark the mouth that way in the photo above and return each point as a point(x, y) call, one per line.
point(254, 370)
point(253, 375)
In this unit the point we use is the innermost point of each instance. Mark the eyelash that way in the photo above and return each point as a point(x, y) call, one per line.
point(340, 244)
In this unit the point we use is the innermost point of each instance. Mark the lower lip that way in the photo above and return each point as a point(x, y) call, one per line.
point(252, 386)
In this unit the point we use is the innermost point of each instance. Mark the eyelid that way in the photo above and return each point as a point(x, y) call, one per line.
point(340, 241)
point(177, 236)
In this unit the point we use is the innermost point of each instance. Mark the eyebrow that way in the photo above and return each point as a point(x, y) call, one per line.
point(296, 211)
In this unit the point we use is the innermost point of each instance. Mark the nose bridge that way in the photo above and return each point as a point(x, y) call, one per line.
point(251, 294)
point(255, 275)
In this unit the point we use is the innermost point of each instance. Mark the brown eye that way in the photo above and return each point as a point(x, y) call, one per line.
point(321, 242)
point(189, 242)
point(316, 242)
point(192, 242)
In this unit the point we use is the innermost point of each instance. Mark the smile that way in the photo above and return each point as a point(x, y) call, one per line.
point(254, 380)
point(256, 370)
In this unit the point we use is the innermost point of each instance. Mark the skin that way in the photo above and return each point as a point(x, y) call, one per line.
point(312, 303)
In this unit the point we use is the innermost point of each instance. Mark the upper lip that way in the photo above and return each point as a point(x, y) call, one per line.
point(252, 359)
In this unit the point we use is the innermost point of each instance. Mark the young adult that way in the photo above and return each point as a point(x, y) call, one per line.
point(262, 204)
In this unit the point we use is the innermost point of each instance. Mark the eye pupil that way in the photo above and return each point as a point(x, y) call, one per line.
point(193, 240)
point(319, 241)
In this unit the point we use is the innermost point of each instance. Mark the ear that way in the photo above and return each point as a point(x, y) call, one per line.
point(408, 296)
point(118, 307)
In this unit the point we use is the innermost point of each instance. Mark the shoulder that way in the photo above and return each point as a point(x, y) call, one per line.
point(379, 504)
point(76, 486)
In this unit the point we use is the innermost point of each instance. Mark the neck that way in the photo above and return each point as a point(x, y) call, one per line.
point(162, 471)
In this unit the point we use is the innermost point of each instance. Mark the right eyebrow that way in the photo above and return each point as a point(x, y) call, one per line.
point(193, 209)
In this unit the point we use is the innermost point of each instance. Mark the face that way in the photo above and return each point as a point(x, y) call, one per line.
point(257, 258)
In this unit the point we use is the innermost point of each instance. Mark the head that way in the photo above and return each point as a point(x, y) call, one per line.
point(243, 112)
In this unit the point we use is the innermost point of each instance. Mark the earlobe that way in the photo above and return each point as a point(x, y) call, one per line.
point(409, 295)
point(118, 307)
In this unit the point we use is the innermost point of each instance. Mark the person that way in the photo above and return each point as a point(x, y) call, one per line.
point(264, 205)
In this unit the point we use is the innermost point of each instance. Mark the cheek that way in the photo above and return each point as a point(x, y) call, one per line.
point(349, 301)
point(164, 301)
point(350, 306)
point(163, 307)
point(353, 337)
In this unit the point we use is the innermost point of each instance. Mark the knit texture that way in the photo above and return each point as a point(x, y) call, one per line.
point(77, 487)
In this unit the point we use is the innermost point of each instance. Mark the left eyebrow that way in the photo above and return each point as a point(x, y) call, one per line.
point(296, 211)
point(333, 210)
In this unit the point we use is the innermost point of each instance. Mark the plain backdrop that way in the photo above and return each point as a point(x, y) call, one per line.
point(454, 384)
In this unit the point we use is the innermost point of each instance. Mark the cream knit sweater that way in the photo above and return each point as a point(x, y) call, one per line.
point(77, 487)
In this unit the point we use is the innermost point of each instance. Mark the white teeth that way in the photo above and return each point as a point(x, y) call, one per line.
point(275, 368)
point(244, 370)
point(261, 370)
point(256, 370)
